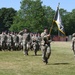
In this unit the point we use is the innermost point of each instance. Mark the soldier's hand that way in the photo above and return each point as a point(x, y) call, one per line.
point(48, 35)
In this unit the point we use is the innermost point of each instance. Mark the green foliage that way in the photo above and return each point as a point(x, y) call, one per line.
point(69, 22)
point(6, 18)
point(34, 16)
point(18, 24)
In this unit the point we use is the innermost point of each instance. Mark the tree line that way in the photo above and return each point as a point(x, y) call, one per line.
point(34, 16)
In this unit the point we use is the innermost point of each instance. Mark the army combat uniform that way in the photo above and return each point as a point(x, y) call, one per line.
point(9, 41)
point(26, 41)
point(35, 43)
point(45, 47)
point(15, 41)
point(20, 41)
point(3, 40)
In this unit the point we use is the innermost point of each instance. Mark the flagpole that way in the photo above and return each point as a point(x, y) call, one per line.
point(51, 28)
point(53, 22)
point(58, 5)
point(58, 30)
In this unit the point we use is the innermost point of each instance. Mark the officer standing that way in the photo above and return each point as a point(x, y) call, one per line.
point(45, 45)
point(73, 43)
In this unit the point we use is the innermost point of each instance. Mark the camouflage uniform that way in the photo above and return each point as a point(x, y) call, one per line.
point(35, 43)
point(15, 41)
point(39, 41)
point(73, 43)
point(26, 41)
point(9, 41)
point(45, 46)
point(20, 41)
point(3, 40)
point(12, 41)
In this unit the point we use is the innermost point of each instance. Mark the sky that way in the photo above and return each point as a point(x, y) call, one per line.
point(68, 5)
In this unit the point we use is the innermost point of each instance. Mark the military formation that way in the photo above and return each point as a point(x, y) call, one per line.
point(27, 41)
point(20, 41)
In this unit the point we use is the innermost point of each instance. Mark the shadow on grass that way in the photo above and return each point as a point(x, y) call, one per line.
point(59, 64)
point(37, 55)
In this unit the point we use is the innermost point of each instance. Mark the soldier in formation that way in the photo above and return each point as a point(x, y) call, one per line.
point(35, 43)
point(26, 41)
point(3, 40)
point(9, 41)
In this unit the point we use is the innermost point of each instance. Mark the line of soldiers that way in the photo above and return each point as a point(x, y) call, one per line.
point(16, 41)
point(9, 41)
point(26, 41)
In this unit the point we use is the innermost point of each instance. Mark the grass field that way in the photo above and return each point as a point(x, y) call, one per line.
point(61, 62)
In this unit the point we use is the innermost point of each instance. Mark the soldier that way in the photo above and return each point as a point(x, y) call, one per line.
point(35, 42)
point(31, 45)
point(12, 42)
point(20, 41)
point(9, 41)
point(39, 40)
point(16, 41)
point(73, 43)
point(45, 45)
point(3, 40)
point(26, 41)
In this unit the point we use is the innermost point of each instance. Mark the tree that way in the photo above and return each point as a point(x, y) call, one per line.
point(70, 23)
point(6, 18)
point(18, 24)
point(33, 16)
point(49, 15)
point(64, 17)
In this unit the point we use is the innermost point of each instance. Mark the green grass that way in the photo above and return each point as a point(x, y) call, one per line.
point(61, 62)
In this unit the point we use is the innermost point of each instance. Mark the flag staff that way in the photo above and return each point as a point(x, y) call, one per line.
point(53, 21)
point(58, 4)
point(58, 9)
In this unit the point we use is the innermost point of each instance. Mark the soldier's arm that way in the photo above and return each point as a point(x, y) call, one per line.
point(21, 32)
point(45, 36)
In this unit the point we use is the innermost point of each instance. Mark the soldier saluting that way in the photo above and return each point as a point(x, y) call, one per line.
point(45, 45)
point(26, 41)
